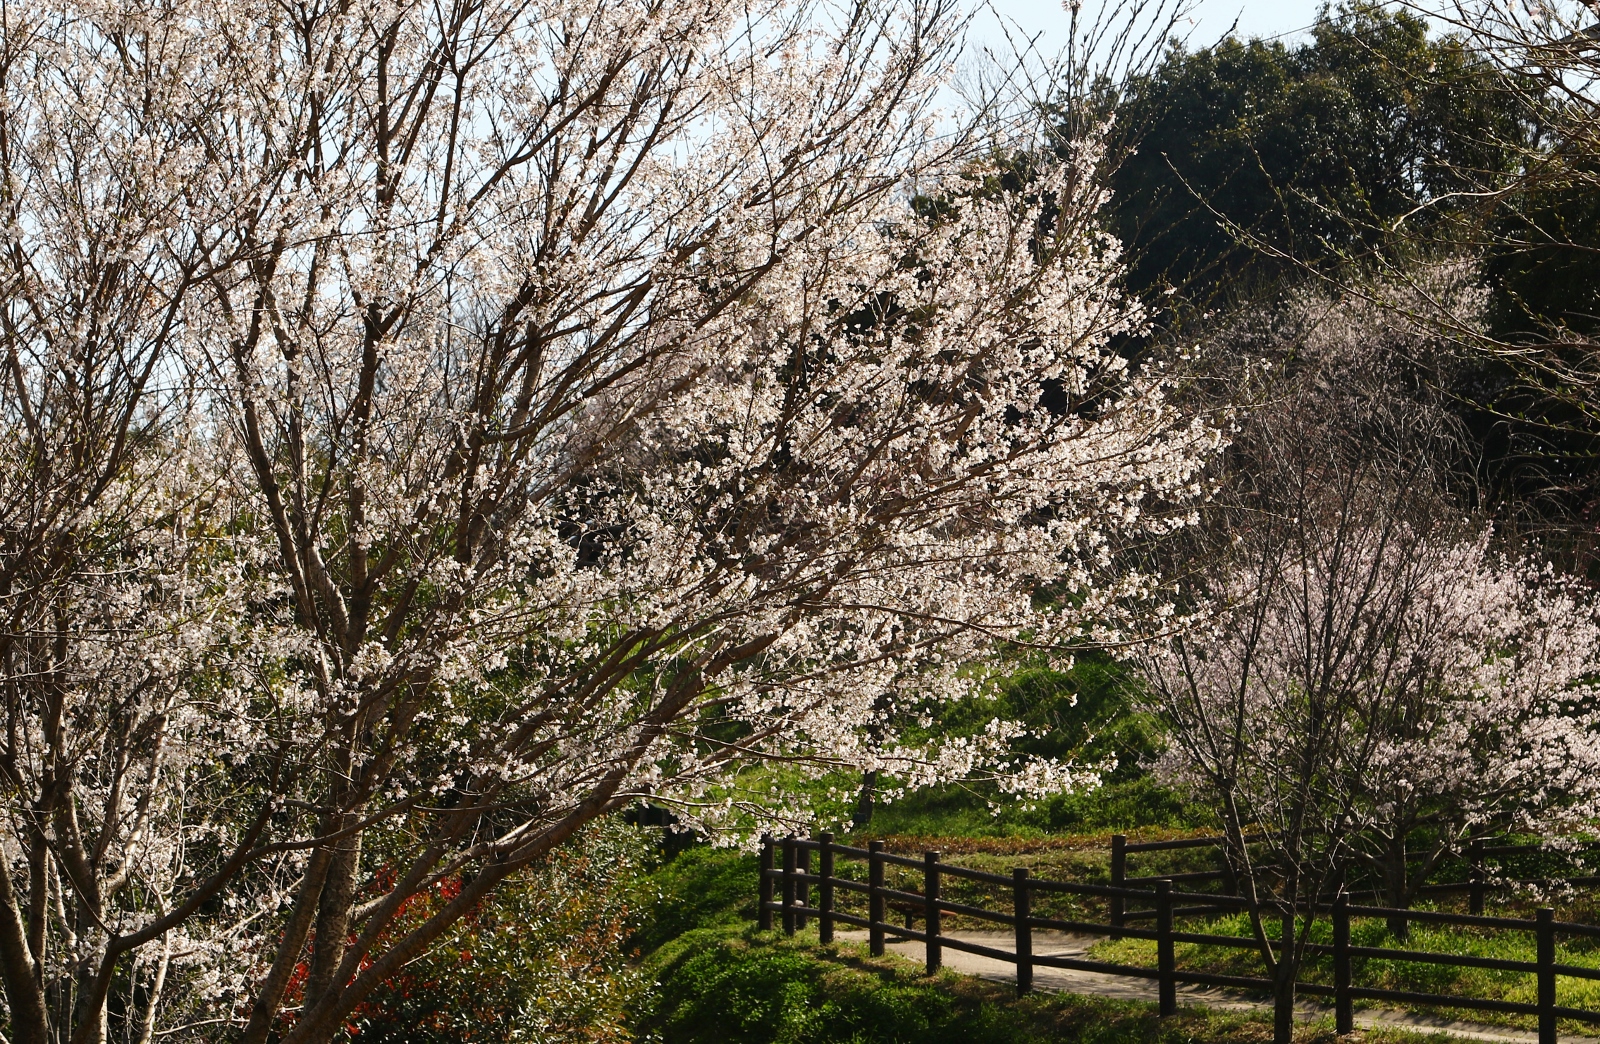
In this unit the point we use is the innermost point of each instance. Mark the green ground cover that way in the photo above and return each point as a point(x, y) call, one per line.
point(719, 980)
point(1127, 805)
point(1086, 714)
point(1083, 858)
point(738, 986)
point(1402, 975)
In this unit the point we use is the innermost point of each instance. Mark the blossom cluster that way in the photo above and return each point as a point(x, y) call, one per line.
point(437, 427)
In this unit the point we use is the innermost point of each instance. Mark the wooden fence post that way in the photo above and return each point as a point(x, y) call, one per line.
point(1475, 877)
point(875, 911)
point(1166, 963)
point(825, 889)
point(764, 913)
point(788, 885)
point(795, 898)
point(1119, 876)
point(802, 887)
point(1344, 1010)
point(1022, 911)
point(1545, 930)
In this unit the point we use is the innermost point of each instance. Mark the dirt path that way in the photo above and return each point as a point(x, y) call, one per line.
point(1060, 980)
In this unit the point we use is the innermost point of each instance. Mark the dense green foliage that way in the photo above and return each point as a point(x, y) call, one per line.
point(1545, 268)
point(1088, 713)
point(1250, 166)
point(702, 888)
point(1253, 157)
point(547, 959)
point(1117, 806)
point(1541, 266)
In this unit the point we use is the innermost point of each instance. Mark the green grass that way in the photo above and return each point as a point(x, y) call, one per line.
point(1119, 805)
point(701, 888)
point(719, 980)
point(738, 986)
point(1082, 858)
point(1394, 974)
point(1086, 715)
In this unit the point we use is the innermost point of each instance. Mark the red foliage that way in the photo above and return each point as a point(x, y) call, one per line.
point(406, 984)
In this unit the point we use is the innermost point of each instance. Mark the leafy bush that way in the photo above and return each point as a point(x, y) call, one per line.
point(739, 994)
point(545, 961)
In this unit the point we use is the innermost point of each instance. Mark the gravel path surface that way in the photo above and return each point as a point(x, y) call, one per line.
point(1060, 980)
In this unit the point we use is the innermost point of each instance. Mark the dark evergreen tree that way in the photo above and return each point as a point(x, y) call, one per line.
point(1252, 159)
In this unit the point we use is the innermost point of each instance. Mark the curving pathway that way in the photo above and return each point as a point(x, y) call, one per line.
point(1061, 980)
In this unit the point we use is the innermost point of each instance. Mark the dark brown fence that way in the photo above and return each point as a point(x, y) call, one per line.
point(1476, 885)
point(786, 892)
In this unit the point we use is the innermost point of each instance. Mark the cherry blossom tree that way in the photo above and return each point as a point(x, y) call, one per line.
point(1363, 662)
point(438, 426)
point(119, 577)
point(1368, 674)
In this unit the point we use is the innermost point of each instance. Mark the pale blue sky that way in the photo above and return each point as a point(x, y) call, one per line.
point(1211, 19)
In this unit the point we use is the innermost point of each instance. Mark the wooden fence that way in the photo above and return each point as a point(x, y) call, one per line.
point(786, 893)
point(1475, 887)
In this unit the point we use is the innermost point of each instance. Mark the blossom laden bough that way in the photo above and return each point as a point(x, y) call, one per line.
point(584, 408)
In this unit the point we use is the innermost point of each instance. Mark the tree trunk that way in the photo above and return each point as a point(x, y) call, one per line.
point(1394, 885)
point(333, 918)
point(29, 1024)
point(867, 800)
point(1283, 1002)
point(308, 899)
point(1283, 985)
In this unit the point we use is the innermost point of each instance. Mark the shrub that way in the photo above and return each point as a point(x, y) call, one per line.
point(546, 960)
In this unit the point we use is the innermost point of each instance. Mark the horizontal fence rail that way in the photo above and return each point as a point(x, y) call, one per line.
point(786, 884)
point(1476, 855)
